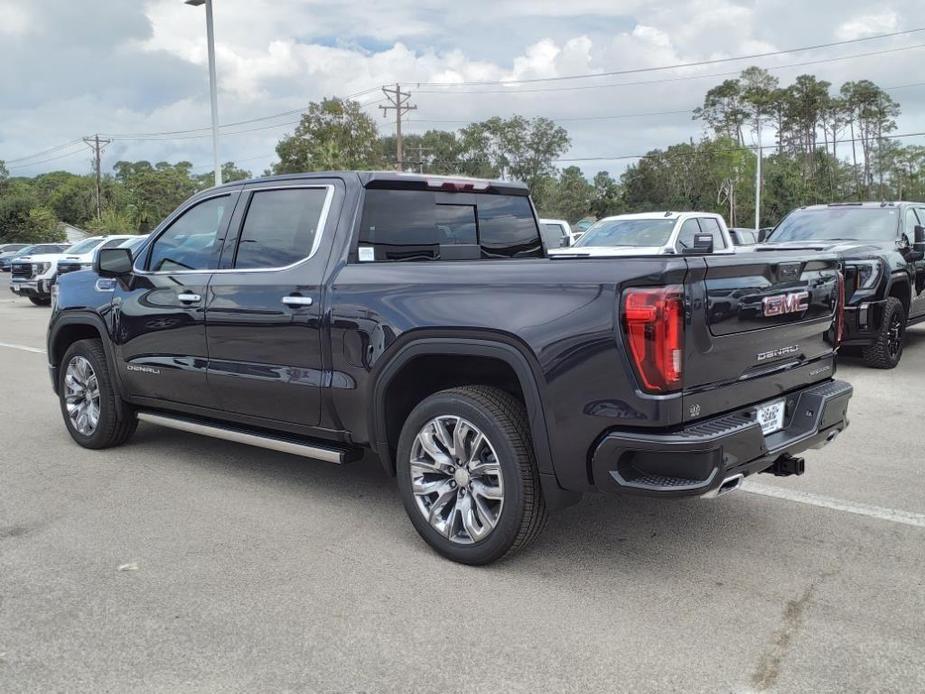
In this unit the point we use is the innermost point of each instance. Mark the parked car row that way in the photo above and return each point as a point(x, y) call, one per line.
point(35, 269)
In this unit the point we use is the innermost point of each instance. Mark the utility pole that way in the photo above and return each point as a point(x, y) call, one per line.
point(758, 177)
point(97, 144)
point(398, 101)
point(420, 162)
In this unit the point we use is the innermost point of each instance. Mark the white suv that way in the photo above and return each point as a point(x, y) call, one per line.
point(33, 276)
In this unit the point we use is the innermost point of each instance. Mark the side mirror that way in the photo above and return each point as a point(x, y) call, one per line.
point(113, 262)
point(565, 242)
point(703, 245)
point(919, 245)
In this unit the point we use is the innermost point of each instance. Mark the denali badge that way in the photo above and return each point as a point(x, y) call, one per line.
point(779, 352)
point(143, 369)
point(795, 302)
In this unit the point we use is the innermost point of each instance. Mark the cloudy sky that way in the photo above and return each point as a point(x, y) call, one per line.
point(134, 68)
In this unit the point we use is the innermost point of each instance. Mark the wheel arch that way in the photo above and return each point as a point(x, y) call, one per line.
point(901, 288)
point(68, 329)
point(447, 347)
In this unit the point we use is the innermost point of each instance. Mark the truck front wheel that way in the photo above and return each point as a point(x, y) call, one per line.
point(886, 351)
point(467, 474)
point(94, 413)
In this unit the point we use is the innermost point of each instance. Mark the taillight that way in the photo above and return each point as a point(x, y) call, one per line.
point(653, 321)
point(840, 311)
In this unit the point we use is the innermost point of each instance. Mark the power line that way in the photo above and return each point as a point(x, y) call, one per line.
point(567, 118)
point(668, 79)
point(134, 136)
point(676, 66)
point(79, 150)
point(44, 151)
point(728, 149)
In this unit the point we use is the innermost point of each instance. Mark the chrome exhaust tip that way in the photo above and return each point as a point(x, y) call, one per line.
point(730, 484)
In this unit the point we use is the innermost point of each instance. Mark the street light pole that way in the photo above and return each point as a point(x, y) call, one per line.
point(213, 88)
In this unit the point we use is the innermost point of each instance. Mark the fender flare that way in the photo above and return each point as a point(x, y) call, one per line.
point(84, 318)
point(527, 376)
point(901, 277)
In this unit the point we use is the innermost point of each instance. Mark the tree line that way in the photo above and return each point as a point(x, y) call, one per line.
point(819, 145)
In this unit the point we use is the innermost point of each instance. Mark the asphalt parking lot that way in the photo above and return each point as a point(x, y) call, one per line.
point(181, 563)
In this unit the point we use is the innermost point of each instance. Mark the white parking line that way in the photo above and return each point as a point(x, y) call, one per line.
point(888, 514)
point(24, 348)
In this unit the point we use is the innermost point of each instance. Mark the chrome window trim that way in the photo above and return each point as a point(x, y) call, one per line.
point(322, 222)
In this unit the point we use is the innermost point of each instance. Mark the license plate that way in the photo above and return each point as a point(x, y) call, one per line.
point(771, 416)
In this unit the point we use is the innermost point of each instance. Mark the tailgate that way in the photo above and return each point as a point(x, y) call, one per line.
point(760, 326)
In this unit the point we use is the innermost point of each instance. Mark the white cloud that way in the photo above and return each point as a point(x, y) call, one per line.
point(146, 69)
point(14, 19)
point(868, 25)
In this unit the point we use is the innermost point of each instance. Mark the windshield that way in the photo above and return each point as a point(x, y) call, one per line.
point(627, 232)
point(856, 224)
point(83, 246)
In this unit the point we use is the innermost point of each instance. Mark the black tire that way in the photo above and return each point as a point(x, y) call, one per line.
point(117, 420)
point(503, 420)
point(886, 351)
point(40, 300)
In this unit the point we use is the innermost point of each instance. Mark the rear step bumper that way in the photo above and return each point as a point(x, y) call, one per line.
point(252, 437)
point(707, 457)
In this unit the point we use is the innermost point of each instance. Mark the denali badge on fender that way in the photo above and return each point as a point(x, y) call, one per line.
point(795, 302)
point(779, 352)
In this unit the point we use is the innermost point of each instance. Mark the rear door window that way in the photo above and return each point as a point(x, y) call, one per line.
point(409, 225)
point(281, 227)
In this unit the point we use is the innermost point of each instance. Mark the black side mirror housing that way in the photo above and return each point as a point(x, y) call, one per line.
point(919, 244)
point(113, 262)
point(564, 242)
point(703, 245)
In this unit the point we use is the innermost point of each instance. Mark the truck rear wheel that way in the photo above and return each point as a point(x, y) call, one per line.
point(887, 349)
point(467, 474)
point(94, 413)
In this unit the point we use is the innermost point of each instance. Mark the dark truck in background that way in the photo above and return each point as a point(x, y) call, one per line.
point(420, 318)
point(882, 247)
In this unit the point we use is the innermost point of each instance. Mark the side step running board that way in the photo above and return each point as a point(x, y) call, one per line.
point(285, 445)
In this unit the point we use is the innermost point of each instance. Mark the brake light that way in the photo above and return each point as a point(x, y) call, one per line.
point(653, 321)
point(840, 311)
point(457, 185)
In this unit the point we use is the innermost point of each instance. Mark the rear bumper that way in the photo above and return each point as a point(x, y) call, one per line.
point(695, 460)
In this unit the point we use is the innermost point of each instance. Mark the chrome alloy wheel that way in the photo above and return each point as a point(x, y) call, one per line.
point(456, 479)
point(82, 396)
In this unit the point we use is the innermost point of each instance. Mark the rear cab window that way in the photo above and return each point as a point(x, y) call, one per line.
point(417, 225)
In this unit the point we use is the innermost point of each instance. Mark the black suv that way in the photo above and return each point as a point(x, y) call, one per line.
point(882, 246)
point(420, 317)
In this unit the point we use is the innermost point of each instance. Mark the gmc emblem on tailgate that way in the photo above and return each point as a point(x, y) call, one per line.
point(795, 302)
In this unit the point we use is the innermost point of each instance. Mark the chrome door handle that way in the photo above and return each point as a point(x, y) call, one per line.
point(297, 300)
point(189, 298)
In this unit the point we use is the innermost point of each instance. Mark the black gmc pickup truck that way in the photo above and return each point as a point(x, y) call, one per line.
point(882, 247)
point(420, 318)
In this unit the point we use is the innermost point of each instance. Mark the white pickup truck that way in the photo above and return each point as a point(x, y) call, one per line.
point(651, 233)
point(33, 276)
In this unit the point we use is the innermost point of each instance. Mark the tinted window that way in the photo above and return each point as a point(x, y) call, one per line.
point(193, 241)
point(84, 246)
point(852, 223)
point(280, 227)
point(688, 230)
point(634, 233)
point(48, 248)
point(402, 225)
point(710, 226)
point(507, 228)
